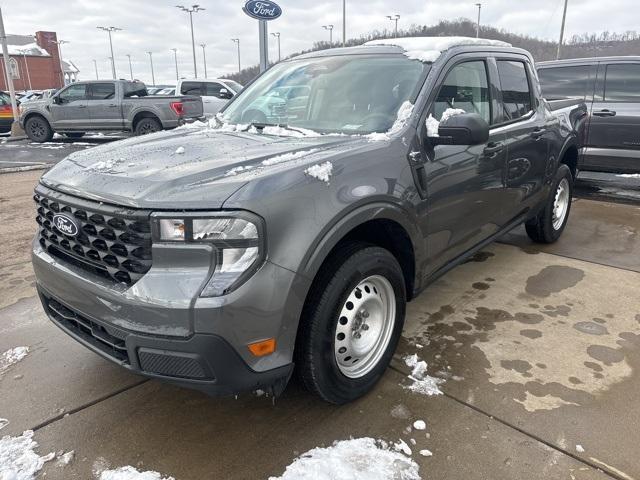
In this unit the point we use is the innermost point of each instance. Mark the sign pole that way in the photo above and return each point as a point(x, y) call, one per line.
point(12, 92)
point(264, 45)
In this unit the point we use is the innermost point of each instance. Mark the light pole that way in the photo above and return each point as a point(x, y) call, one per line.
point(191, 10)
point(95, 66)
point(394, 18)
point(113, 62)
point(130, 68)
point(12, 92)
point(204, 56)
point(479, 5)
point(175, 58)
point(330, 28)
point(237, 41)
point(564, 18)
point(277, 35)
point(59, 43)
point(153, 75)
point(344, 23)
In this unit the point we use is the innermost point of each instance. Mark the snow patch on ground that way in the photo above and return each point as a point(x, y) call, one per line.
point(66, 458)
point(130, 473)
point(18, 460)
point(579, 449)
point(419, 425)
point(11, 357)
point(401, 446)
point(428, 49)
point(426, 453)
point(422, 383)
point(360, 458)
point(322, 171)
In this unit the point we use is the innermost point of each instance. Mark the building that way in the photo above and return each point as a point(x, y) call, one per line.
point(34, 63)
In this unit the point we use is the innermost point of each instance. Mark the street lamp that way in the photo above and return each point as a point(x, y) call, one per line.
point(479, 5)
point(60, 43)
point(394, 18)
point(175, 58)
point(153, 76)
point(130, 68)
point(109, 30)
point(277, 35)
point(344, 23)
point(330, 28)
point(204, 56)
point(193, 9)
point(237, 41)
point(95, 66)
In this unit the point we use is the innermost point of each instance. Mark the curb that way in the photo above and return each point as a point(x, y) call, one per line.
point(26, 168)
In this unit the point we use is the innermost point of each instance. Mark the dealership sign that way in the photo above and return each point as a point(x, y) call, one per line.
point(262, 10)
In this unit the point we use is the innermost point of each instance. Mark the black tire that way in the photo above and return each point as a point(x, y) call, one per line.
point(74, 134)
point(315, 356)
point(148, 125)
point(38, 129)
point(541, 229)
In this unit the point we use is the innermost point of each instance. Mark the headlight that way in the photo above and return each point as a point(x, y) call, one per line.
point(238, 238)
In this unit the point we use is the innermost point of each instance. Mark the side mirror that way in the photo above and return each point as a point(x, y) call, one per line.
point(462, 129)
point(224, 93)
point(57, 100)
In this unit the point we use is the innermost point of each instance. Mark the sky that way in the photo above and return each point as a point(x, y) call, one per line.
point(158, 26)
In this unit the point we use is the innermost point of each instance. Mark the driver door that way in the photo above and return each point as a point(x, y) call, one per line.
point(69, 109)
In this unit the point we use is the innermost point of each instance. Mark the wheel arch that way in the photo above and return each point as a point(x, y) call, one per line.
point(143, 114)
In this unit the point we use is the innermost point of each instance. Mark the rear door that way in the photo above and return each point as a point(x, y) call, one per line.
point(71, 110)
point(614, 132)
point(104, 107)
point(215, 97)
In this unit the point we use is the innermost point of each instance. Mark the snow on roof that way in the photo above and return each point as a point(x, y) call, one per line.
point(69, 66)
point(28, 49)
point(428, 49)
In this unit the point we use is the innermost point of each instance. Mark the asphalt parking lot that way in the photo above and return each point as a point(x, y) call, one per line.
point(538, 348)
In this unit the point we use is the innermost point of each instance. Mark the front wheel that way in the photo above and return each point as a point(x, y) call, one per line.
point(550, 223)
point(38, 129)
point(147, 125)
point(351, 323)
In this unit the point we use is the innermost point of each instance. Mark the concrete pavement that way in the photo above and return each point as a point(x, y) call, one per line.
point(540, 349)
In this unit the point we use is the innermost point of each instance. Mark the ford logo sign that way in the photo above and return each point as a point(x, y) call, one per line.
point(262, 10)
point(66, 225)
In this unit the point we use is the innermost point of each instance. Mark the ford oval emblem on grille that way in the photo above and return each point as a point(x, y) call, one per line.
point(66, 225)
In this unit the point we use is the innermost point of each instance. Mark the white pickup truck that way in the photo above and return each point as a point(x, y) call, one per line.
point(215, 93)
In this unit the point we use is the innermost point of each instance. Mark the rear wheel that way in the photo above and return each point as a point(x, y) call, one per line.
point(38, 129)
point(548, 226)
point(351, 323)
point(148, 125)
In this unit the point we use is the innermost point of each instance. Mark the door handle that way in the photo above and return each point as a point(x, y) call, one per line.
point(538, 133)
point(492, 149)
point(112, 105)
point(604, 113)
point(82, 106)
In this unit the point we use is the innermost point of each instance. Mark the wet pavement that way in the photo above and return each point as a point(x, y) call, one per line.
point(539, 347)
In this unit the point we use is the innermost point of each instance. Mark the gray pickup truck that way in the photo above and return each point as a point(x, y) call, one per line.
point(117, 105)
point(222, 256)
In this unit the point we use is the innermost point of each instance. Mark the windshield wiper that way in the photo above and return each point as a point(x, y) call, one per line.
point(262, 125)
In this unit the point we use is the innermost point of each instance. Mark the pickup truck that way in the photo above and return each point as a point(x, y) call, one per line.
point(100, 105)
point(611, 88)
point(225, 255)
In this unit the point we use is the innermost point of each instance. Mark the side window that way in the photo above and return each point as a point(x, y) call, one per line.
point(516, 94)
point(566, 82)
point(191, 88)
point(74, 92)
point(213, 89)
point(622, 83)
point(102, 91)
point(465, 87)
point(4, 99)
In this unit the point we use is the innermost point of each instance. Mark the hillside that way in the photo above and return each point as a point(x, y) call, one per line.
point(586, 45)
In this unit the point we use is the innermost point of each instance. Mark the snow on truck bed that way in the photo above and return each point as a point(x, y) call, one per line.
point(428, 49)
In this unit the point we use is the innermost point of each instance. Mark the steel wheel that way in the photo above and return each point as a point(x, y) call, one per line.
point(561, 204)
point(365, 326)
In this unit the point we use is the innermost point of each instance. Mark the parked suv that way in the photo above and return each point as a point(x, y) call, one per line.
point(223, 256)
point(611, 88)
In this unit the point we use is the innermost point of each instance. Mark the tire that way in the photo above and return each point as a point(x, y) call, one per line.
point(74, 134)
point(148, 125)
point(328, 325)
point(38, 129)
point(548, 225)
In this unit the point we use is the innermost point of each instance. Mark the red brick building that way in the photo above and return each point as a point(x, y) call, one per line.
point(35, 63)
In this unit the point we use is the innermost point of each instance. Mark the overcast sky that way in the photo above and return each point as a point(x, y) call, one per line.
point(158, 26)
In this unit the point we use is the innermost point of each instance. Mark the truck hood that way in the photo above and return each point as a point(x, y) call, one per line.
point(183, 168)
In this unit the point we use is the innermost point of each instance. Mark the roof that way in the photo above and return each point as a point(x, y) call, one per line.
point(25, 45)
point(69, 66)
point(571, 61)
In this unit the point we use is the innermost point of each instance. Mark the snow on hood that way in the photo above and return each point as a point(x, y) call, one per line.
point(428, 49)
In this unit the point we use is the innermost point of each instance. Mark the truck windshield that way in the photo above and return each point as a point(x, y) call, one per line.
point(352, 94)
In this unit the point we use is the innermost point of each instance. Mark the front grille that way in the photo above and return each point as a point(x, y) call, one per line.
point(112, 243)
point(89, 331)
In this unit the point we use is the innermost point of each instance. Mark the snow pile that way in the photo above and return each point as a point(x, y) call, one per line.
point(579, 449)
point(422, 383)
point(106, 166)
point(404, 114)
point(66, 458)
point(426, 453)
point(428, 49)
point(18, 460)
point(179, 150)
point(360, 458)
point(433, 125)
point(287, 157)
point(401, 446)
point(322, 172)
point(130, 473)
point(286, 132)
point(419, 425)
point(11, 357)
